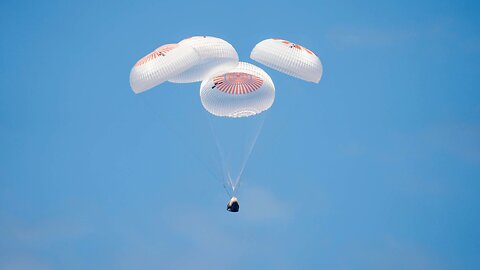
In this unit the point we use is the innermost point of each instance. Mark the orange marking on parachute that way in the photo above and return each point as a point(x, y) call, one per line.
point(296, 46)
point(237, 83)
point(160, 51)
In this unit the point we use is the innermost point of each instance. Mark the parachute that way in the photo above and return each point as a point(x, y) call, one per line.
point(288, 58)
point(243, 91)
point(235, 98)
point(215, 56)
point(191, 60)
point(160, 65)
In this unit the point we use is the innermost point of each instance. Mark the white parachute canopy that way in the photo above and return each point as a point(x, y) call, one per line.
point(289, 58)
point(160, 65)
point(216, 56)
point(243, 91)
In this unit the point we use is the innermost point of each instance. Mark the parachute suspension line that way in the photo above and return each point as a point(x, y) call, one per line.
point(182, 142)
point(226, 173)
point(237, 188)
point(250, 150)
point(227, 190)
point(231, 182)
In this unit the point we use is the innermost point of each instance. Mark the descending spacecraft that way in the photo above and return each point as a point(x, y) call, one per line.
point(228, 88)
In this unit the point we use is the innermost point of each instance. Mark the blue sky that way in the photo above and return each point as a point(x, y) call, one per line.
point(376, 167)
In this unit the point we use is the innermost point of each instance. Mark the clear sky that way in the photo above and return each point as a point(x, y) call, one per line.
point(375, 167)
